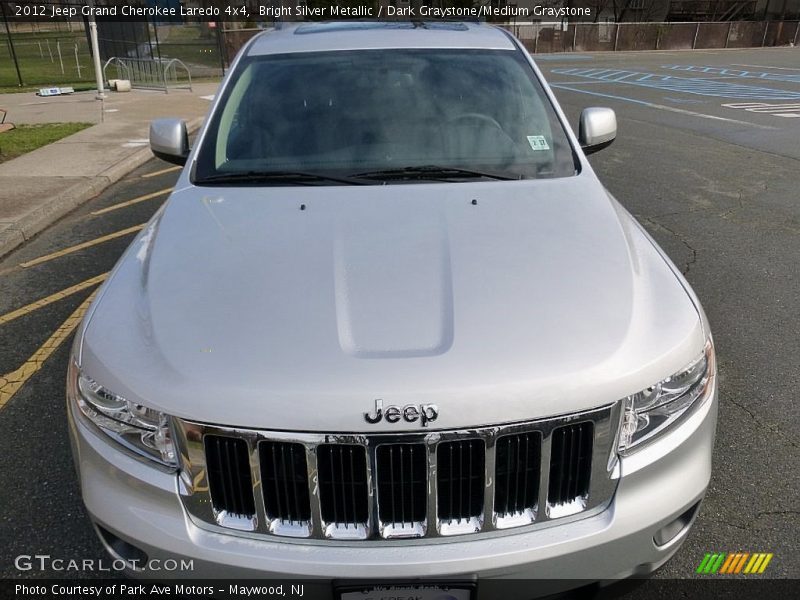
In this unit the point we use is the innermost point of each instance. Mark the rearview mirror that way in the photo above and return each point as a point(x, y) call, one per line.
point(598, 128)
point(169, 140)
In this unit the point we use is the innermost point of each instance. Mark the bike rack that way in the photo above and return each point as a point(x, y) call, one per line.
point(148, 73)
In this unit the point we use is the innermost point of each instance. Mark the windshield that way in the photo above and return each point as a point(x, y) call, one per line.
point(388, 116)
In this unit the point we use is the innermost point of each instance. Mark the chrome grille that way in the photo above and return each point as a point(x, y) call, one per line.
point(392, 486)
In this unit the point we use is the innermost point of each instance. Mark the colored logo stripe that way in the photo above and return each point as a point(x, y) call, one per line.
point(711, 562)
point(734, 563)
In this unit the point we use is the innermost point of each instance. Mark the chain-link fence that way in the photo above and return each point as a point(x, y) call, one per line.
point(47, 57)
point(589, 37)
point(197, 45)
point(51, 52)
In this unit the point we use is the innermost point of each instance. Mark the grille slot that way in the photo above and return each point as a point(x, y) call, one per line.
point(402, 483)
point(460, 468)
point(343, 484)
point(229, 477)
point(570, 463)
point(517, 468)
point(284, 477)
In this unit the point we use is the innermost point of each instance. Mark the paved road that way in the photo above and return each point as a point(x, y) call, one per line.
point(720, 194)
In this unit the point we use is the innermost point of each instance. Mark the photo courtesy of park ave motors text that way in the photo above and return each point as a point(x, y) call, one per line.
point(452, 300)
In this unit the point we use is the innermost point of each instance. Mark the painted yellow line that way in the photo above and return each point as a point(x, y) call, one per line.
point(136, 200)
point(161, 172)
point(89, 244)
point(29, 308)
point(10, 383)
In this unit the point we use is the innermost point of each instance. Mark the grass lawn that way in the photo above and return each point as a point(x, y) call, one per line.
point(30, 137)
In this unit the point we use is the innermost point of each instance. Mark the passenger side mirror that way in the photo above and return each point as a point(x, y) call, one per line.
point(598, 128)
point(169, 140)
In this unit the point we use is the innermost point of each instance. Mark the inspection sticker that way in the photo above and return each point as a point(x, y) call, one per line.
point(538, 142)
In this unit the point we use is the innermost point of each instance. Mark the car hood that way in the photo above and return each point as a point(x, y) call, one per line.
point(297, 307)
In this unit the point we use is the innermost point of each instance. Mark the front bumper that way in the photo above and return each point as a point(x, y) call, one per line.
point(660, 483)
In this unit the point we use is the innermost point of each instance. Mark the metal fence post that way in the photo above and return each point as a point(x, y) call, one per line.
point(60, 59)
point(796, 32)
point(536, 39)
point(766, 29)
point(574, 37)
point(220, 47)
point(696, 33)
point(616, 38)
point(728, 36)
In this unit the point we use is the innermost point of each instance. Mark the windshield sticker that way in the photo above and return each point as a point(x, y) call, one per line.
point(538, 142)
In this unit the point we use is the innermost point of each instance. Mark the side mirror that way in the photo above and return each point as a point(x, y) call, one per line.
point(169, 140)
point(598, 128)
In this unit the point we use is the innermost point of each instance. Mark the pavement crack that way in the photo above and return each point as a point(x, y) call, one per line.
point(751, 523)
point(739, 206)
point(761, 423)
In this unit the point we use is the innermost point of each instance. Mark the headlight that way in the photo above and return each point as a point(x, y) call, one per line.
point(655, 409)
point(142, 430)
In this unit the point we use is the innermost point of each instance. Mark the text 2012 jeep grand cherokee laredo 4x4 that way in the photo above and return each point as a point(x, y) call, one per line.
point(390, 325)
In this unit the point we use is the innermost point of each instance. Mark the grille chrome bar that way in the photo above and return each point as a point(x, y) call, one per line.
point(365, 495)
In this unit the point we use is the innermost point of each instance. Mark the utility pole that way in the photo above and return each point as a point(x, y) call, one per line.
point(98, 70)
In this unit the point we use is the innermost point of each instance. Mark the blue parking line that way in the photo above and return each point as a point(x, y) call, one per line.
point(660, 106)
point(601, 94)
point(545, 57)
point(687, 85)
point(765, 75)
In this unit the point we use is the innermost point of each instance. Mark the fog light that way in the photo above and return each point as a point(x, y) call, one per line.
point(669, 532)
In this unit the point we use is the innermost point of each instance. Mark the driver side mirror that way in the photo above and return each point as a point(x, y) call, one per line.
point(169, 140)
point(598, 128)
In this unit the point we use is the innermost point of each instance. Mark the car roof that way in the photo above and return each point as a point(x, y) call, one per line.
point(369, 35)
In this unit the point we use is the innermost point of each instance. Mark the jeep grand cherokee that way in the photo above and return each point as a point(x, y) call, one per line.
point(390, 325)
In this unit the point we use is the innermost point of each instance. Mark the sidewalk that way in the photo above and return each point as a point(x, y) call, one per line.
point(38, 188)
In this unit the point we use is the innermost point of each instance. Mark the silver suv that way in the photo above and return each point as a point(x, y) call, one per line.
point(390, 325)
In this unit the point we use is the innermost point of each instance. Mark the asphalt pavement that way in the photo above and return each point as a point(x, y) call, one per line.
point(717, 186)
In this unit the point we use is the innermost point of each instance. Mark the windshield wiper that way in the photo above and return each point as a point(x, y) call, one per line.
point(288, 177)
point(431, 172)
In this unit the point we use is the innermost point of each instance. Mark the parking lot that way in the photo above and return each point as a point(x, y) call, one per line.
point(707, 158)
